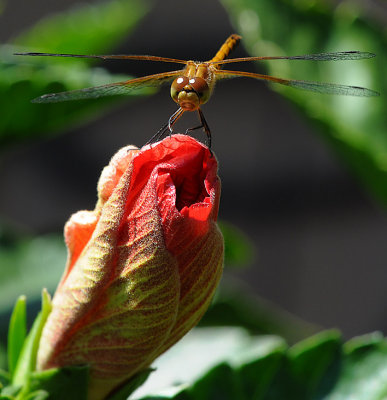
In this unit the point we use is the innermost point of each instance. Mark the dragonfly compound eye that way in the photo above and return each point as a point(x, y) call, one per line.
point(199, 85)
point(177, 86)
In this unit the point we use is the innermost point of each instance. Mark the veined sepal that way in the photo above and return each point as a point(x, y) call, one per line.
point(27, 359)
point(22, 350)
point(17, 333)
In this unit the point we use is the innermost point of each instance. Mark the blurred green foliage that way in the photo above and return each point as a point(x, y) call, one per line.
point(85, 29)
point(237, 365)
point(356, 128)
point(236, 305)
point(28, 264)
point(239, 250)
point(240, 367)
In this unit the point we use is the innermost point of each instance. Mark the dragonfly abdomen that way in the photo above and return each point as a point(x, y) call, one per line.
point(226, 48)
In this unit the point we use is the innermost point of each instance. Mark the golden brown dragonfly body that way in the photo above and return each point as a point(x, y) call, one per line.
point(193, 86)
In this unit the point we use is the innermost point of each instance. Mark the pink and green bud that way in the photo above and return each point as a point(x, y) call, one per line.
point(142, 267)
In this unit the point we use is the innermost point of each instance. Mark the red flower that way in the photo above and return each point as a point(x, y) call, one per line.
point(142, 267)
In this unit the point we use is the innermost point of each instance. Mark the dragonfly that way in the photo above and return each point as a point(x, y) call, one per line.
point(193, 85)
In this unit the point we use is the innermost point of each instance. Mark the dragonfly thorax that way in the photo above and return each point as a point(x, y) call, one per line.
point(190, 93)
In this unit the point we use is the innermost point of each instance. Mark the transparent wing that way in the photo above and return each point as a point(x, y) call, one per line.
point(339, 56)
point(119, 88)
point(327, 88)
point(107, 57)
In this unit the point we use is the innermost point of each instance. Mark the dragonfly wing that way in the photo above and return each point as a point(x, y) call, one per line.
point(319, 87)
point(338, 56)
point(119, 88)
point(107, 57)
point(332, 88)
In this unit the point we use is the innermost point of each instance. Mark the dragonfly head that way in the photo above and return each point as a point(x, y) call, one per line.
point(190, 93)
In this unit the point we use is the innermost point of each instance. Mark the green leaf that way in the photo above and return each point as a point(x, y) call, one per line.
point(354, 127)
point(318, 368)
point(62, 383)
point(203, 349)
point(27, 359)
point(20, 82)
point(220, 383)
point(85, 28)
point(239, 250)
point(129, 387)
point(17, 333)
point(306, 366)
point(257, 374)
point(312, 358)
point(364, 370)
point(22, 78)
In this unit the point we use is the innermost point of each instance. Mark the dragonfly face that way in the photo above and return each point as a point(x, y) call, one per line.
point(193, 86)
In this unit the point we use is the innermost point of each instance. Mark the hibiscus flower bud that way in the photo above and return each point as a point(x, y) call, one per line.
point(142, 267)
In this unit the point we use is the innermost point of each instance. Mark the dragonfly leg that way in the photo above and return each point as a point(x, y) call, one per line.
point(204, 125)
point(158, 135)
point(168, 126)
point(206, 128)
point(174, 117)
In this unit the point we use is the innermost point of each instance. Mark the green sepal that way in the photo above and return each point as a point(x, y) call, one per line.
point(129, 387)
point(61, 383)
point(27, 359)
point(17, 333)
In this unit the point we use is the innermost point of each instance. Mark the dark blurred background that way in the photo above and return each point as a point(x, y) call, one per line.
point(320, 237)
